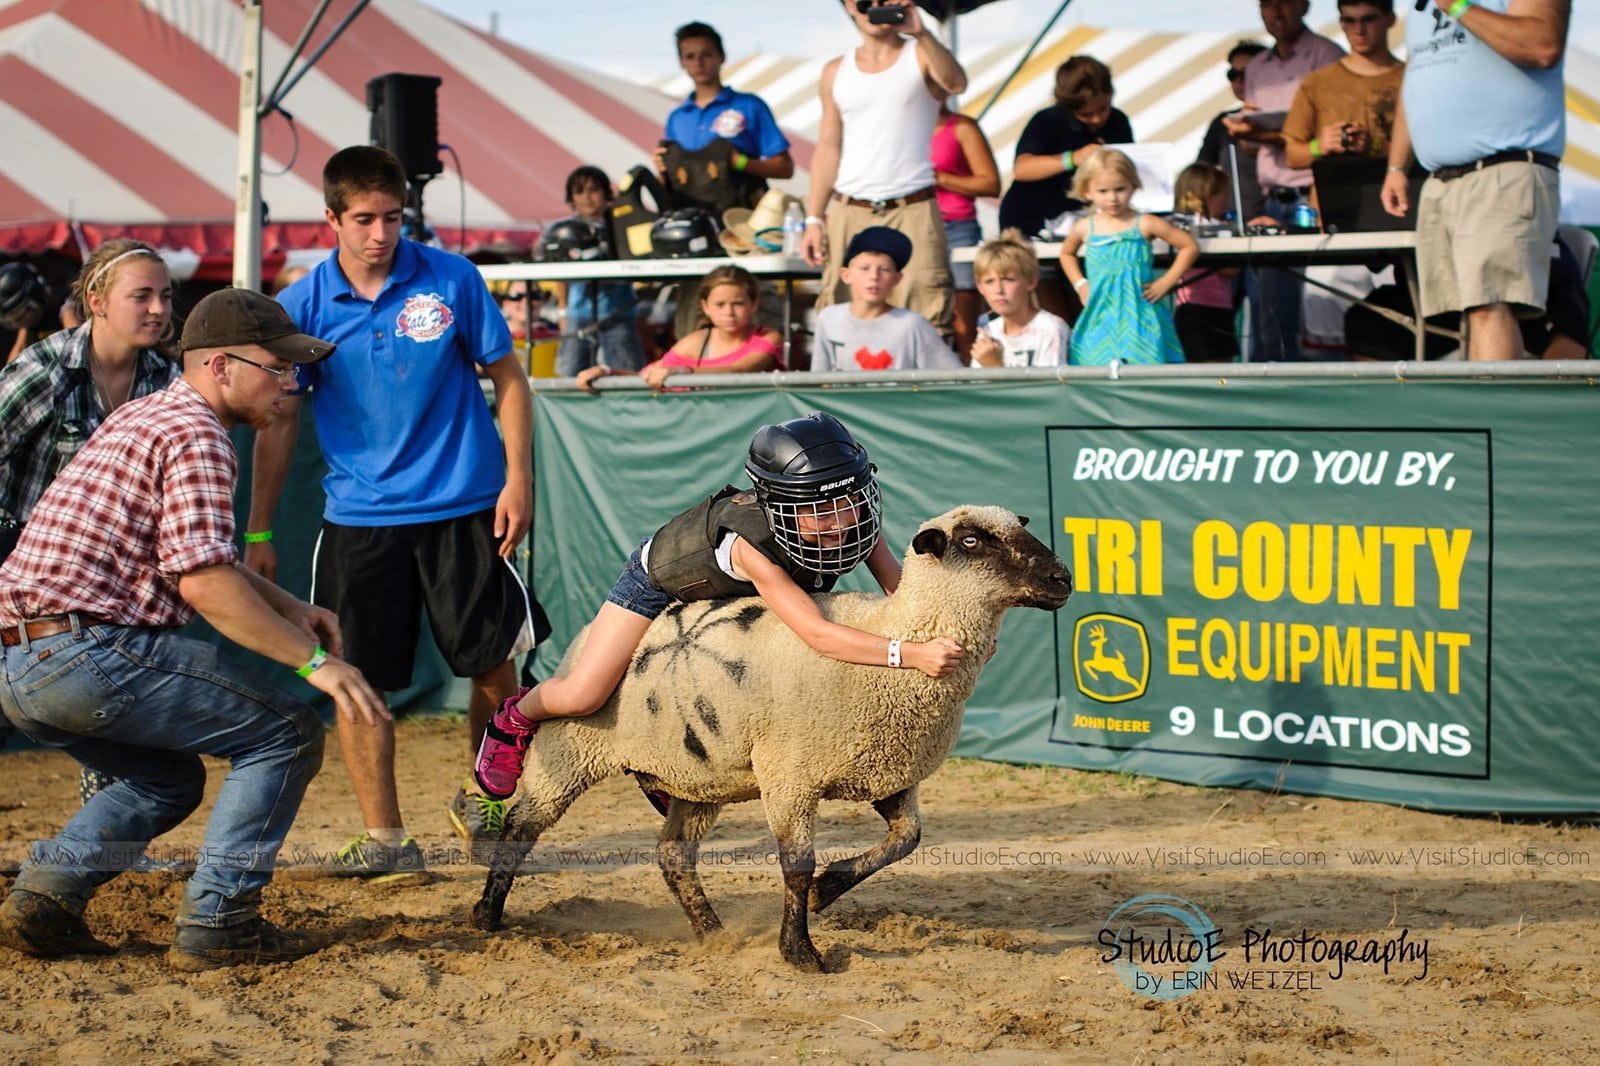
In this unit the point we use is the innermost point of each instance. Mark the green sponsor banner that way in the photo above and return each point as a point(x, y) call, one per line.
point(1280, 594)
point(1367, 587)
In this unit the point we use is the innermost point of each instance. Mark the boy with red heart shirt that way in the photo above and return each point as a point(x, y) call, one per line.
point(868, 333)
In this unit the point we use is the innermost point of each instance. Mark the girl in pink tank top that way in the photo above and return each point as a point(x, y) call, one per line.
point(963, 170)
point(730, 342)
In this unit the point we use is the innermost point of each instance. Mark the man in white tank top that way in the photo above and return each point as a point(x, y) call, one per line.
point(872, 167)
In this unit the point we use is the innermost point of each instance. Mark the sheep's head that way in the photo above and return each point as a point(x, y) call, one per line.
point(990, 543)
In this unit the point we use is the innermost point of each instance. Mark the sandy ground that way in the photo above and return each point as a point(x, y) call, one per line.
point(983, 944)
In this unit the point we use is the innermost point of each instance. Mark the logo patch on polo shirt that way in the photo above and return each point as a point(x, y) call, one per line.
point(425, 317)
point(729, 124)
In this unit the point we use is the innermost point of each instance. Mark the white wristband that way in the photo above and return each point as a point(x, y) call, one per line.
point(894, 652)
point(1080, 283)
point(813, 220)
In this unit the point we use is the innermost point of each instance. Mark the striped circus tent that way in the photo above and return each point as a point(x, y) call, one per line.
point(120, 117)
point(1170, 84)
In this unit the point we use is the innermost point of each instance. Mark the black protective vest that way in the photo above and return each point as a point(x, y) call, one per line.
point(705, 178)
point(683, 553)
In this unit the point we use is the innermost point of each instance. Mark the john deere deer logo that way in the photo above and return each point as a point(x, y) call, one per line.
point(1102, 659)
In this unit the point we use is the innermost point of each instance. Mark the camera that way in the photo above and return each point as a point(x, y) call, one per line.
point(1344, 138)
point(881, 15)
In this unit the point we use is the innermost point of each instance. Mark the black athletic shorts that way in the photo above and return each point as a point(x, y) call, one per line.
point(379, 579)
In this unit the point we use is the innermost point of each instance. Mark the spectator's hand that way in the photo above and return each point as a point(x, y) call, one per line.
point(322, 626)
point(936, 657)
point(1237, 127)
point(1082, 155)
point(1357, 139)
point(656, 373)
point(262, 559)
point(353, 698)
point(588, 375)
point(513, 513)
point(1263, 220)
point(814, 245)
point(659, 157)
point(1396, 194)
point(986, 351)
point(1330, 139)
point(912, 26)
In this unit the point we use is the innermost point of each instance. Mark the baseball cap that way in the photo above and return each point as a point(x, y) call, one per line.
point(244, 316)
point(891, 242)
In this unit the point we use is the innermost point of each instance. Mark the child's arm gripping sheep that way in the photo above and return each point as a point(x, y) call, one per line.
point(723, 703)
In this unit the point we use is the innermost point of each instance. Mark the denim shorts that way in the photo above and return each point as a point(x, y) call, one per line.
point(635, 592)
point(962, 233)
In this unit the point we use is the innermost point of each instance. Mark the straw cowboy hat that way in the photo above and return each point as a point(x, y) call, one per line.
point(759, 231)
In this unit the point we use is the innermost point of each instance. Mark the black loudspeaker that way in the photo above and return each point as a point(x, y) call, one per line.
point(405, 120)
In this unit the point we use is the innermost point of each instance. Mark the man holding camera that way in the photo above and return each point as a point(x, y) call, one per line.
point(1484, 104)
point(872, 165)
point(1347, 108)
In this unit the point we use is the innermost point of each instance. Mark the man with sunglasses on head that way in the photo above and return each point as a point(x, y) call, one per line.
point(1484, 108)
point(1214, 146)
point(880, 102)
point(133, 538)
point(1270, 81)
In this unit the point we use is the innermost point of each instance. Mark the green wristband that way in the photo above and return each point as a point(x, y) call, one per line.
point(1458, 7)
point(318, 657)
point(1316, 148)
point(1067, 165)
point(262, 537)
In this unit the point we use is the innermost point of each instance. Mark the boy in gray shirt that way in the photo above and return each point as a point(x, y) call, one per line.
point(868, 333)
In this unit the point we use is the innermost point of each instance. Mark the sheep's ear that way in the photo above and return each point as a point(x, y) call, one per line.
point(930, 542)
point(1023, 519)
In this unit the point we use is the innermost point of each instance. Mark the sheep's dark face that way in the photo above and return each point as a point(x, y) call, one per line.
point(993, 539)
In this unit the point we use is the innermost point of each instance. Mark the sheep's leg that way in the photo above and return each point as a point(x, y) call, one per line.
point(524, 823)
point(678, 854)
point(905, 831)
point(793, 821)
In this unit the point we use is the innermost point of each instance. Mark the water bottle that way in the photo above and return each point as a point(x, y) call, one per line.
point(1305, 216)
point(794, 227)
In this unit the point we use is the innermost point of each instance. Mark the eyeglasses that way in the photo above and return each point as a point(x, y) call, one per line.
point(1235, 74)
point(275, 371)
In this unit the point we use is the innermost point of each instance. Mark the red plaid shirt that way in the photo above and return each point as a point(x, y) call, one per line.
point(147, 500)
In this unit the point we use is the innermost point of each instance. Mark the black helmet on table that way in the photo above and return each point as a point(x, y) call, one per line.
point(684, 234)
point(570, 240)
point(24, 297)
point(819, 491)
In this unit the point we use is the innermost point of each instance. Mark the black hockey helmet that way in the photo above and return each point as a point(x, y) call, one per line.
point(24, 297)
point(685, 233)
point(819, 491)
point(572, 239)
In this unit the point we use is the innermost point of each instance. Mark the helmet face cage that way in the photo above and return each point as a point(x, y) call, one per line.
point(826, 534)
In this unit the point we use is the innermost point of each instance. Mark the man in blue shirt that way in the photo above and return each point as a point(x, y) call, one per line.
point(1484, 106)
point(426, 503)
point(712, 111)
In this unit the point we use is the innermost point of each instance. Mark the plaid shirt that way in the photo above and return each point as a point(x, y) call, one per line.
point(149, 499)
point(48, 407)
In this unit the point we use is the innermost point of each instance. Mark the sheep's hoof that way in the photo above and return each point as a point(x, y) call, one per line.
point(803, 957)
point(485, 917)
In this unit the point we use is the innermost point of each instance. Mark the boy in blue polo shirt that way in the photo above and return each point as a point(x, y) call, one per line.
point(426, 502)
point(712, 110)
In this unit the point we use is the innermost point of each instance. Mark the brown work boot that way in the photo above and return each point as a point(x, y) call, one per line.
point(39, 926)
point(257, 941)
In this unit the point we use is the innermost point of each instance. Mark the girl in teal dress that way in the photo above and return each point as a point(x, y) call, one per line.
point(1123, 316)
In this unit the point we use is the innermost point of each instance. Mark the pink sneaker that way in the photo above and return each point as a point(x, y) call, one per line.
point(504, 747)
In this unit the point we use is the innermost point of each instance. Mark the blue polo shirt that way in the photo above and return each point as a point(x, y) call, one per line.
point(742, 118)
point(404, 426)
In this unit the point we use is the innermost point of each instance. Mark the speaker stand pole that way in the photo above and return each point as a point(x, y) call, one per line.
point(247, 189)
point(416, 228)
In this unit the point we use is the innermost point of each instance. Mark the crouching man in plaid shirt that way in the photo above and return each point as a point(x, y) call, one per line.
point(134, 537)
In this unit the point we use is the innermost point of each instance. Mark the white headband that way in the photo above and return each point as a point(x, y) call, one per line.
point(98, 274)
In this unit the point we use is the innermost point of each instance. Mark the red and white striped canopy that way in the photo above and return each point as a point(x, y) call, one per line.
point(120, 117)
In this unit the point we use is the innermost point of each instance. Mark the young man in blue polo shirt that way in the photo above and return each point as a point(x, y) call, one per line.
point(426, 503)
point(712, 110)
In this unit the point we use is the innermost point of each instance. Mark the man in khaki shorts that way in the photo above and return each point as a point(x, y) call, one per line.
point(872, 166)
point(1484, 107)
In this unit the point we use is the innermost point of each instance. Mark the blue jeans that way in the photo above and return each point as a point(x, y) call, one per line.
point(143, 705)
point(962, 233)
point(1275, 299)
point(617, 346)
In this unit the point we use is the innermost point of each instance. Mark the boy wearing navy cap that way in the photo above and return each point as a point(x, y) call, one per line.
point(868, 333)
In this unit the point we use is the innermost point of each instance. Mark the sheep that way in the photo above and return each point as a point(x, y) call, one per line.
point(724, 703)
